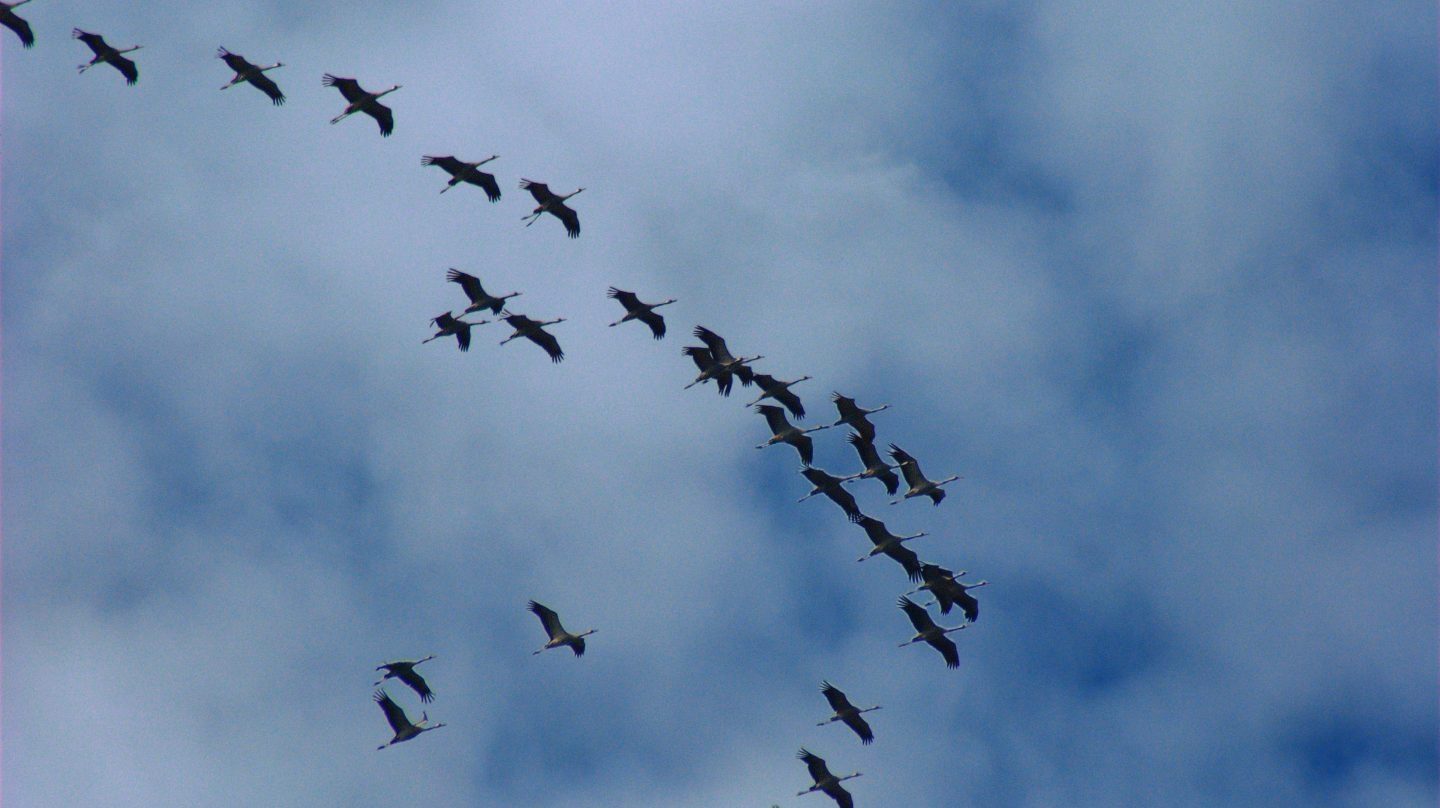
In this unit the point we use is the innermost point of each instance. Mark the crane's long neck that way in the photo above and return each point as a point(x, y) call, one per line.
point(385, 92)
point(127, 50)
point(572, 193)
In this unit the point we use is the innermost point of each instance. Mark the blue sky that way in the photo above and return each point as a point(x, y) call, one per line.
point(1160, 284)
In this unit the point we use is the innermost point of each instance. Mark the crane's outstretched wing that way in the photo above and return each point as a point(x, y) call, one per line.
point(393, 713)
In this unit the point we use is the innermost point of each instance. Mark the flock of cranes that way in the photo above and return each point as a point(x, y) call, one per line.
point(714, 361)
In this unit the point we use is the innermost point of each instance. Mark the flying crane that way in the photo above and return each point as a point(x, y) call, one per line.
point(362, 100)
point(404, 730)
point(461, 171)
point(824, 780)
point(554, 204)
point(255, 74)
point(927, 632)
point(404, 670)
point(637, 310)
point(104, 53)
point(846, 712)
point(557, 633)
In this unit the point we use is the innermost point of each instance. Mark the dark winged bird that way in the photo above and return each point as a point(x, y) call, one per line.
point(846, 712)
point(450, 325)
point(785, 432)
point(461, 171)
point(875, 468)
point(362, 101)
point(825, 781)
point(106, 54)
point(919, 485)
point(949, 592)
point(636, 310)
point(404, 730)
point(557, 633)
point(927, 632)
point(726, 360)
point(405, 672)
point(780, 391)
point(854, 415)
point(479, 298)
point(710, 370)
point(534, 330)
point(11, 20)
point(830, 486)
point(887, 543)
point(552, 203)
point(255, 74)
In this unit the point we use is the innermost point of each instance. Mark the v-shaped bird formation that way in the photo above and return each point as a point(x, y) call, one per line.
point(714, 361)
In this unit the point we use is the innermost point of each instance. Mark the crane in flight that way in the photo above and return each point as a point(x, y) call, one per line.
point(557, 633)
point(781, 392)
point(920, 486)
point(949, 592)
point(846, 712)
point(479, 298)
point(875, 468)
point(361, 100)
point(830, 485)
point(404, 730)
point(255, 74)
point(534, 330)
point(554, 204)
point(637, 310)
point(824, 780)
point(782, 431)
point(105, 53)
point(854, 415)
point(927, 632)
point(461, 171)
point(404, 670)
point(450, 325)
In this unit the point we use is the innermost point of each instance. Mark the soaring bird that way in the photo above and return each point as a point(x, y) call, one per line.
point(710, 370)
point(450, 325)
point(785, 432)
point(479, 298)
point(854, 415)
point(889, 544)
point(553, 203)
point(919, 485)
point(875, 468)
point(404, 730)
point(636, 310)
point(461, 171)
point(405, 672)
point(927, 632)
point(362, 101)
point(846, 712)
point(948, 592)
point(11, 20)
point(558, 635)
point(534, 330)
point(830, 486)
point(721, 352)
point(780, 391)
point(105, 53)
point(825, 781)
point(255, 74)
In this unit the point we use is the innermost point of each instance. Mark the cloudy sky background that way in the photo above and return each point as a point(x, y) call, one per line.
point(1160, 283)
